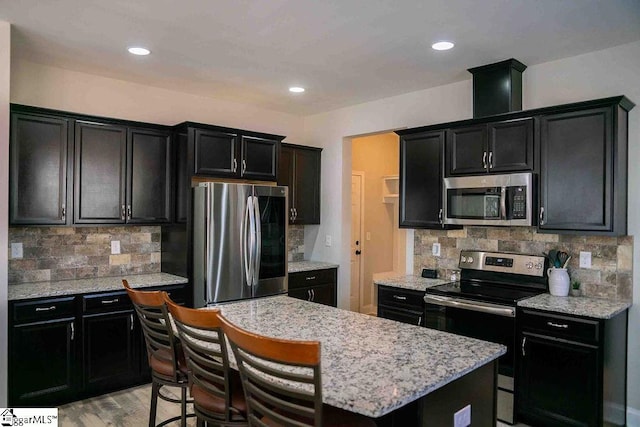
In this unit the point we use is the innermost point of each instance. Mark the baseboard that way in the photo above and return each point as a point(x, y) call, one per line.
point(369, 309)
point(633, 417)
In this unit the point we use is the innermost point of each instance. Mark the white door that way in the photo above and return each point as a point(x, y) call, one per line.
point(357, 179)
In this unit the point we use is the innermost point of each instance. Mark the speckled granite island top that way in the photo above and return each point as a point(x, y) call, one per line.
point(409, 281)
point(369, 365)
point(298, 266)
point(84, 286)
point(577, 306)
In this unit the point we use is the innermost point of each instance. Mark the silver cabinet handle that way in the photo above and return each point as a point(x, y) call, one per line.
point(292, 217)
point(128, 212)
point(109, 301)
point(440, 217)
point(484, 160)
point(490, 159)
point(73, 331)
point(295, 214)
point(131, 319)
point(122, 212)
point(244, 166)
point(308, 294)
point(419, 320)
point(64, 213)
point(313, 294)
point(234, 168)
point(524, 341)
point(558, 325)
point(541, 215)
point(310, 278)
point(53, 307)
point(400, 297)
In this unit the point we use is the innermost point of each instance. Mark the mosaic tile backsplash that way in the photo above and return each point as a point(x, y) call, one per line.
point(296, 243)
point(610, 275)
point(62, 253)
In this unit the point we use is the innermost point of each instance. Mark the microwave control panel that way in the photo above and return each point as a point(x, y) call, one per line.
point(518, 201)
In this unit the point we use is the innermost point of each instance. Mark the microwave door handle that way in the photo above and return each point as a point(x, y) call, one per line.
point(503, 203)
point(258, 241)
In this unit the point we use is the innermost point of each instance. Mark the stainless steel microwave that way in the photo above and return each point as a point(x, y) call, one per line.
point(489, 200)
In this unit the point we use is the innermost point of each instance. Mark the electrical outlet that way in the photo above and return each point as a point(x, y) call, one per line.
point(115, 247)
point(435, 249)
point(585, 259)
point(16, 250)
point(327, 240)
point(462, 418)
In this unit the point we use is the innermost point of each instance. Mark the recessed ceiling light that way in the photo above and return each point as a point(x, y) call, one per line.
point(442, 45)
point(139, 51)
point(296, 89)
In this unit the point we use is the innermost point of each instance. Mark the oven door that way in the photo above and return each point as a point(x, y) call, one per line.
point(484, 321)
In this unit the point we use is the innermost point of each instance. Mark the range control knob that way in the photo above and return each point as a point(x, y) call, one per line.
point(538, 266)
point(470, 259)
point(463, 258)
point(529, 265)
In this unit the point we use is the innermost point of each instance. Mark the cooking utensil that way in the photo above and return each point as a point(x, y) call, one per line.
point(566, 262)
point(561, 258)
point(552, 256)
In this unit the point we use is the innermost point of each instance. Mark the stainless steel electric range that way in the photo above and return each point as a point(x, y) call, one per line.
point(482, 304)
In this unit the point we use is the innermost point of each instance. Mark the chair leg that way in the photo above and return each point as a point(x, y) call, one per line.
point(183, 408)
point(155, 388)
point(199, 422)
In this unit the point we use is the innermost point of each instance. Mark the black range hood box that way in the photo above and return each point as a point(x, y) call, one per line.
point(497, 88)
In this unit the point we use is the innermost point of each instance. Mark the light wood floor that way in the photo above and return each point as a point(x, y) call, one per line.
point(126, 408)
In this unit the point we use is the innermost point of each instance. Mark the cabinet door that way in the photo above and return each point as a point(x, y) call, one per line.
point(148, 176)
point(324, 294)
point(286, 176)
point(302, 293)
point(421, 180)
point(215, 153)
point(404, 316)
point(259, 158)
point(182, 182)
point(111, 350)
point(576, 171)
point(38, 163)
point(558, 383)
point(307, 186)
point(100, 171)
point(467, 150)
point(510, 146)
point(42, 363)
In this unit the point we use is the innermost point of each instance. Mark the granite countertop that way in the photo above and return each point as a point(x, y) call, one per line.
point(410, 281)
point(298, 266)
point(577, 306)
point(84, 286)
point(370, 365)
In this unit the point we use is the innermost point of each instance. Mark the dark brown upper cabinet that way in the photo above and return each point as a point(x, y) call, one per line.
point(421, 161)
point(122, 175)
point(218, 152)
point(583, 169)
point(495, 147)
point(299, 169)
point(39, 184)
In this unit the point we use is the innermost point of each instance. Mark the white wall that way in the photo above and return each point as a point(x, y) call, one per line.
point(51, 87)
point(5, 70)
point(610, 72)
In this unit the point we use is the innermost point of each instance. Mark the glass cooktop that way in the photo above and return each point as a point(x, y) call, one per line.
point(484, 291)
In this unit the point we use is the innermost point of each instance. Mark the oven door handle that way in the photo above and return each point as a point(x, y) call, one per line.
point(483, 307)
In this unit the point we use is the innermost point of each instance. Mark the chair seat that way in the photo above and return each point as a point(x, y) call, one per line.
point(161, 362)
point(215, 404)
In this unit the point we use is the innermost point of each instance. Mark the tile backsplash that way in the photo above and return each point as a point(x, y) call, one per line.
point(610, 275)
point(295, 243)
point(61, 253)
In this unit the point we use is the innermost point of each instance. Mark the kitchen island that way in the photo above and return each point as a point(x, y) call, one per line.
point(374, 366)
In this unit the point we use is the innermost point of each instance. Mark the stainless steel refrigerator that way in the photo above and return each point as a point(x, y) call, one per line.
point(239, 242)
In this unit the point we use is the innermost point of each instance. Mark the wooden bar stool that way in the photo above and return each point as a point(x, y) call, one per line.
point(166, 358)
point(282, 382)
point(217, 391)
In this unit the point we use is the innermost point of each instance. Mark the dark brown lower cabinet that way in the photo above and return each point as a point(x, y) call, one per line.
point(42, 362)
point(315, 286)
point(571, 370)
point(402, 305)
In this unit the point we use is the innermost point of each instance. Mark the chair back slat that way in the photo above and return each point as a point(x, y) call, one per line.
point(281, 378)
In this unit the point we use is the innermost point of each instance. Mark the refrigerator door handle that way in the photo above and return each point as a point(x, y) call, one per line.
point(244, 256)
point(258, 241)
point(207, 235)
point(252, 239)
point(247, 237)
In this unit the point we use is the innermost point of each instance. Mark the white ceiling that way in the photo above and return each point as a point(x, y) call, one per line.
point(343, 51)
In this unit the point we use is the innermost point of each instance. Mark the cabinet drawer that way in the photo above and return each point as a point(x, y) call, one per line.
point(405, 316)
point(311, 278)
point(400, 298)
point(43, 309)
point(112, 301)
point(570, 328)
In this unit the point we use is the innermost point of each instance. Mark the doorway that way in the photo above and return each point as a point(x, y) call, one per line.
point(375, 232)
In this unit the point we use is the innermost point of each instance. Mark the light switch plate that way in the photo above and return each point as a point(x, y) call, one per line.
point(16, 251)
point(462, 418)
point(435, 249)
point(585, 259)
point(115, 247)
point(368, 235)
point(327, 240)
